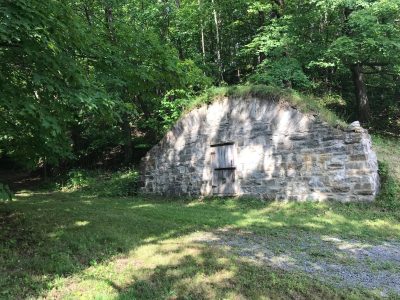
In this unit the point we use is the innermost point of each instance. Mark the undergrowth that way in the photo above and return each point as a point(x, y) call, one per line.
point(389, 196)
point(388, 151)
point(5, 192)
point(120, 183)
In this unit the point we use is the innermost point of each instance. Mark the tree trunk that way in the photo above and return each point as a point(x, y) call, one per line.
point(87, 15)
point(165, 27)
point(261, 22)
point(203, 45)
point(276, 12)
point(364, 113)
point(216, 22)
point(126, 130)
point(45, 176)
point(109, 23)
point(125, 125)
point(178, 38)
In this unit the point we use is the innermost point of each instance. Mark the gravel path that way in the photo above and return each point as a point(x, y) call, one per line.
point(345, 263)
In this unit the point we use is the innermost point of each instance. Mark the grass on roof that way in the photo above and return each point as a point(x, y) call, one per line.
point(304, 103)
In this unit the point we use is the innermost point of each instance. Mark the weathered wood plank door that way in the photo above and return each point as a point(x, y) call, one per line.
point(224, 169)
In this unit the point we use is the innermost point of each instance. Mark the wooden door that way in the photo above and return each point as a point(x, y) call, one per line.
point(224, 170)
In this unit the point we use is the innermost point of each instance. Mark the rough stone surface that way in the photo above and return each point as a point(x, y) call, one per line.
point(280, 154)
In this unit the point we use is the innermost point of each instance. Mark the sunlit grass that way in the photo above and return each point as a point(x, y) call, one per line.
point(182, 269)
point(64, 245)
point(388, 150)
point(74, 244)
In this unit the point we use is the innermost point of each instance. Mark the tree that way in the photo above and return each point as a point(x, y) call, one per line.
point(74, 68)
point(42, 83)
point(319, 44)
point(79, 77)
point(370, 44)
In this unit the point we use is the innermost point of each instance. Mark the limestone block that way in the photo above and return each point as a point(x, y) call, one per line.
point(282, 154)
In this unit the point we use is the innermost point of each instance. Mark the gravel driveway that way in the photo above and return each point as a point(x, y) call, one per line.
point(344, 263)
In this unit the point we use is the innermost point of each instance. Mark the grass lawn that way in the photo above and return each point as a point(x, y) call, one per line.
point(71, 245)
point(68, 245)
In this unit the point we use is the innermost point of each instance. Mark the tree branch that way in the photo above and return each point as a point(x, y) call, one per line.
point(7, 45)
point(374, 64)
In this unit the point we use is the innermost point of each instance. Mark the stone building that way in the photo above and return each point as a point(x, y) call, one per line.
point(263, 148)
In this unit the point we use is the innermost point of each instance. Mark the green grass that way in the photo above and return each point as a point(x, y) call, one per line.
point(305, 103)
point(69, 245)
point(120, 183)
point(72, 244)
point(388, 151)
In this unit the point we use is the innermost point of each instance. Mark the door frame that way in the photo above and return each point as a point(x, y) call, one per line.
point(233, 168)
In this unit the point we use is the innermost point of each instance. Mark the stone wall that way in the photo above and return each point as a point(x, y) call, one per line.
point(281, 154)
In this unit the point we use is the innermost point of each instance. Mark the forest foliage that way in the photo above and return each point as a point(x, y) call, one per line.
point(82, 79)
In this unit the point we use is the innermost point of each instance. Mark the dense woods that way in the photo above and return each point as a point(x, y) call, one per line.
point(88, 87)
point(88, 80)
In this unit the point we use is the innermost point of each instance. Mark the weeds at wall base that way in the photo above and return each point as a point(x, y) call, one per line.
point(389, 196)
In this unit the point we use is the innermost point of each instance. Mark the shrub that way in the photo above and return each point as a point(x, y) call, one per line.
point(77, 179)
point(5, 193)
point(389, 196)
point(121, 183)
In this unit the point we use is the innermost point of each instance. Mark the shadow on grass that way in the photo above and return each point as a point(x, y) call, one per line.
point(215, 274)
point(49, 236)
point(194, 271)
